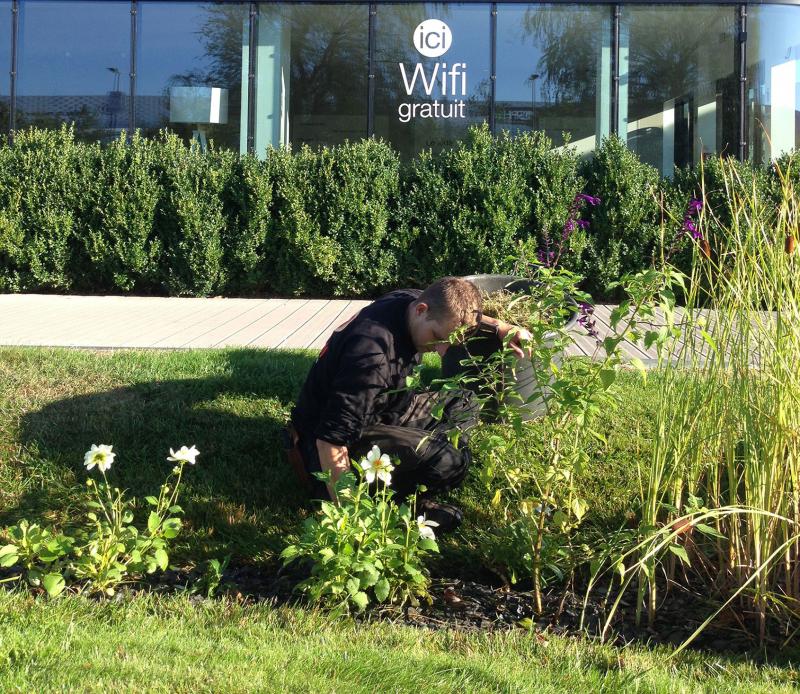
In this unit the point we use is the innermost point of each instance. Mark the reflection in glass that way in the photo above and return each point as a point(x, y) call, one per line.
point(678, 89)
point(72, 57)
point(189, 71)
point(424, 101)
point(5, 64)
point(773, 81)
point(553, 71)
point(312, 74)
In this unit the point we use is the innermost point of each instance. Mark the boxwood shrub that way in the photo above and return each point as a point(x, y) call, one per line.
point(154, 215)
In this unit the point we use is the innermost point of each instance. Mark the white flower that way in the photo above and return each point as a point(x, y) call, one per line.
point(377, 465)
point(99, 455)
point(183, 455)
point(424, 528)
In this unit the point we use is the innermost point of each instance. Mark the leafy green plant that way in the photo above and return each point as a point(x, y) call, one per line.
point(364, 548)
point(211, 580)
point(106, 548)
point(540, 502)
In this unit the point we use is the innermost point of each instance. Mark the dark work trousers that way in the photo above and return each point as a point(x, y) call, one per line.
point(418, 440)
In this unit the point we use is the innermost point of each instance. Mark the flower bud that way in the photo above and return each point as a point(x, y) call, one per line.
point(705, 247)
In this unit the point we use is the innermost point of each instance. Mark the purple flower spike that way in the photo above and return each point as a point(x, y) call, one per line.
point(583, 224)
point(695, 206)
point(546, 257)
point(588, 198)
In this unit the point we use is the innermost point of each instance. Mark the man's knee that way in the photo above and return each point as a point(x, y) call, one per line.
point(451, 468)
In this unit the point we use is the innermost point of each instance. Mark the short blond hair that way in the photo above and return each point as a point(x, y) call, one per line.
point(453, 298)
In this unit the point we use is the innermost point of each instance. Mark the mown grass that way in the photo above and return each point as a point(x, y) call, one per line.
point(151, 643)
point(242, 499)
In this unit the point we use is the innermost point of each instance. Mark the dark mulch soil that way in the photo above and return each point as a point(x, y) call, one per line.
point(475, 606)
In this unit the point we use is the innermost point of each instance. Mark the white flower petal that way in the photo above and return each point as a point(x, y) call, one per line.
point(369, 475)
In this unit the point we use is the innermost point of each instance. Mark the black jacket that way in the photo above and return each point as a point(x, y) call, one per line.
point(348, 386)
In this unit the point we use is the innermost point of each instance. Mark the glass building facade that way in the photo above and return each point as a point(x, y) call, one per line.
point(677, 80)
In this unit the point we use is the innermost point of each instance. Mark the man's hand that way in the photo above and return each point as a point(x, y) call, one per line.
point(333, 459)
point(520, 338)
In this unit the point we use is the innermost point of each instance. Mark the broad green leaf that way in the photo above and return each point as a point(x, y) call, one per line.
point(428, 545)
point(352, 586)
point(680, 552)
point(290, 553)
point(578, 508)
point(608, 376)
point(708, 530)
point(525, 623)
point(175, 509)
point(172, 526)
point(53, 584)
point(162, 559)
point(369, 577)
point(8, 556)
point(360, 600)
point(153, 521)
point(151, 500)
point(382, 589)
point(638, 364)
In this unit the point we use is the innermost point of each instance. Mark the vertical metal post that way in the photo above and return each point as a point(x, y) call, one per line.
point(373, 15)
point(493, 69)
point(741, 46)
point(132, 73)
point(12, 112)
point(252, 59)
point(614, 129)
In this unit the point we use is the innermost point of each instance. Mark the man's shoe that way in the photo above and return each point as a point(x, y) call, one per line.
point(448, 517)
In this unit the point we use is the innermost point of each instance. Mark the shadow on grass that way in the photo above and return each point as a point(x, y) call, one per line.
point(241, 496)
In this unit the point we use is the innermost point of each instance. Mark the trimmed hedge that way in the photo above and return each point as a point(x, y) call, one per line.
point(157, 216)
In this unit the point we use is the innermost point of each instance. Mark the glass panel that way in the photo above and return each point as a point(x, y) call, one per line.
point(554, 71)
point(432, 73)
point(678, 87)
point(773, 79)
point(312, 74)
point(189, 71)
point(73, 62)
point(5, 64)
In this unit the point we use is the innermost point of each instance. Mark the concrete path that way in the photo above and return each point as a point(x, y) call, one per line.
point(113, 322)
point(106, 322)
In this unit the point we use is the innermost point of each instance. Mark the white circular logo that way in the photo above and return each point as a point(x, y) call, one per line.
point(432, 38)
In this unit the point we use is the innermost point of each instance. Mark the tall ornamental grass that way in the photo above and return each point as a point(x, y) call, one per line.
point(721, 491)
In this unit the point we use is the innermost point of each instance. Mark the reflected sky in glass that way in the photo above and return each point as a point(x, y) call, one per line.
point(65, 48)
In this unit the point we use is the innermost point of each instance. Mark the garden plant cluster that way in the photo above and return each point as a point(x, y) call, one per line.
point(718, 504)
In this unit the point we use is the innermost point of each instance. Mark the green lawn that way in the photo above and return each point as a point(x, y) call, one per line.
point(167, 644)
point(242, 499)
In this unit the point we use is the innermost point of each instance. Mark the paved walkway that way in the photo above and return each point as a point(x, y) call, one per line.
point(113, 322)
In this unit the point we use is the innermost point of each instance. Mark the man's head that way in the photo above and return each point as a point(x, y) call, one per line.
point(445, 306)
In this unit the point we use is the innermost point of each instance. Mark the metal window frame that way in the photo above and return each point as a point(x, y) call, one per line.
point(12, 105)
point(132, 73)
